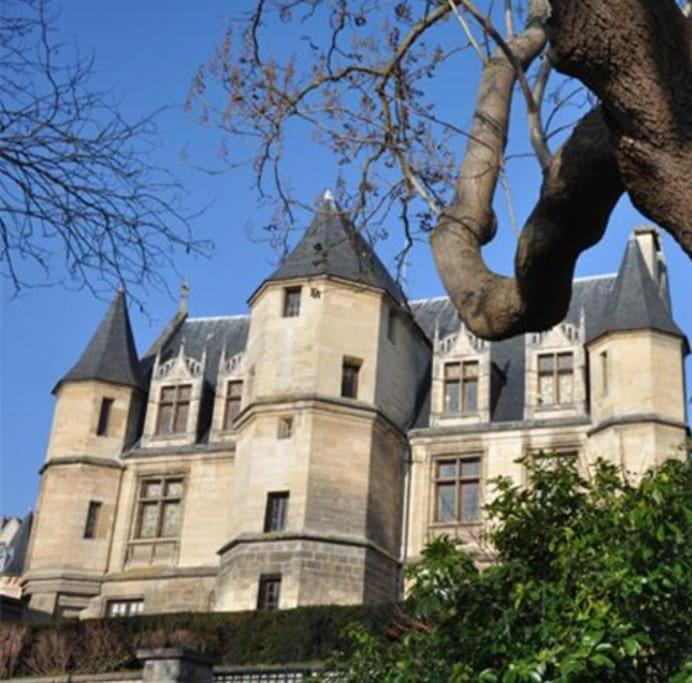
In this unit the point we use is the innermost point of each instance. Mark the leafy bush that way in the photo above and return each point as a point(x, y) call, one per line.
point(593, 583)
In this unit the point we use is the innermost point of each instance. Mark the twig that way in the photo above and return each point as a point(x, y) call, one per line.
point(467, 31)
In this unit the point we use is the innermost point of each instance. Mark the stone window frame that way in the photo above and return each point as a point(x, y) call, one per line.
point(284, 429)
point(104, 415)
point(291, 305)
point(604, 367)
point(461, 382)
point(569, 449)
point(91, 521)
point(236, 400)
point(154, 542)
point(176, 404)
point(127, 602)
point(565, 338)
point(555, 374)
point(265, 601)
point(469, 456)
point(391, 324)
point(350, 363)
point(276, 511)
point(160, 500)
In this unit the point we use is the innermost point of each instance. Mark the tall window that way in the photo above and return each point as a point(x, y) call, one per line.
point(269, 591)
point(104, 416)
point(276, 511)
point(461, 387)
point(92, 519)
point(291, 302)
point(285, 428)
point(234, 394)
point(457, 489)
point(159, 507)
point(124, 608)
point(604, 372)
point(391, 325)
point(350, 369)
point(174, 407)
point(549, 459)
point(555, 378)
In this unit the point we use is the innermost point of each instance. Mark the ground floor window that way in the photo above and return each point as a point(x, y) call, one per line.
point(124, 608)
point(457, 489)
point(548, 459)
point(159, 507)
point(269, 591)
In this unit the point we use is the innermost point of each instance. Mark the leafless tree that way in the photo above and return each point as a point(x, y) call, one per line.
point(80, 202)
point(361, 83)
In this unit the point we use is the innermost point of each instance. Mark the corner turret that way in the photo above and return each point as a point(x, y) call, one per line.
point(98, 404)
point(635, 356)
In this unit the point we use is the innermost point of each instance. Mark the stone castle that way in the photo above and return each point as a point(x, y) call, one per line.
point(304, 453)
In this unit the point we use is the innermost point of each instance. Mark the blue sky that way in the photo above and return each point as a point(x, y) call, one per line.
point(146, 54)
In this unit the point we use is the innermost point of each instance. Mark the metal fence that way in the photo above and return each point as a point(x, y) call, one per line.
point(263, 675)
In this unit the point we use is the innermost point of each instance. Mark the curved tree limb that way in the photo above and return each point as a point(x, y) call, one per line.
point(636, 55)
point(578, 194)
point(641, 69)
point(580, 188)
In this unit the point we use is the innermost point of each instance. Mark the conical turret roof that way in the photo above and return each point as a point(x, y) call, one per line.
point(111, 355)
point(332, 246)
point(635, 302)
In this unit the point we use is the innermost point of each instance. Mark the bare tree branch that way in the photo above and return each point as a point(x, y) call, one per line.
point(363, 91)
point(79, 202)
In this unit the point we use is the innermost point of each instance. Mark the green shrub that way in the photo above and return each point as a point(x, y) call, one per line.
point(99, 645)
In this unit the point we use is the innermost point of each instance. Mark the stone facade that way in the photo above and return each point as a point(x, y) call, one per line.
point(304, 453)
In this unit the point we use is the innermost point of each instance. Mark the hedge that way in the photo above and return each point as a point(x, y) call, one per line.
point(305, 634)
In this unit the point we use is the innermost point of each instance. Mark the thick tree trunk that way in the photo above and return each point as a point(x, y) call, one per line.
point(636, 55)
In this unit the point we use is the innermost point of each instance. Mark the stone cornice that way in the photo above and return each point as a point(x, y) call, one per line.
point(157, 573)
point(347, 406)
point(281, 537)
point(188, 449)
point(488, 427)
point(637, 418)
point(95, 461)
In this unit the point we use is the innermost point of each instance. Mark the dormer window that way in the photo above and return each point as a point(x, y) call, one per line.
point(174, 407)
point(291, 302)
point(461, 387)
point(234, 393)
point(556, 378)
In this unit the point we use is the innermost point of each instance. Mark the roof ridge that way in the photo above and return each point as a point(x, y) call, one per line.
point(238, 316)
point(603, 276)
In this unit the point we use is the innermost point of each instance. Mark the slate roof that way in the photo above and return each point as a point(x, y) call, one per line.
point(214, 334)
point(635, 302)
point(111, 355)
point(332, 246)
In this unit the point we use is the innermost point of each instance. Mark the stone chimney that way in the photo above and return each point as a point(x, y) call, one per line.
point(649, 242)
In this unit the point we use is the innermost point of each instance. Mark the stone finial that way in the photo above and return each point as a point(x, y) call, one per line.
point(184, 296)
